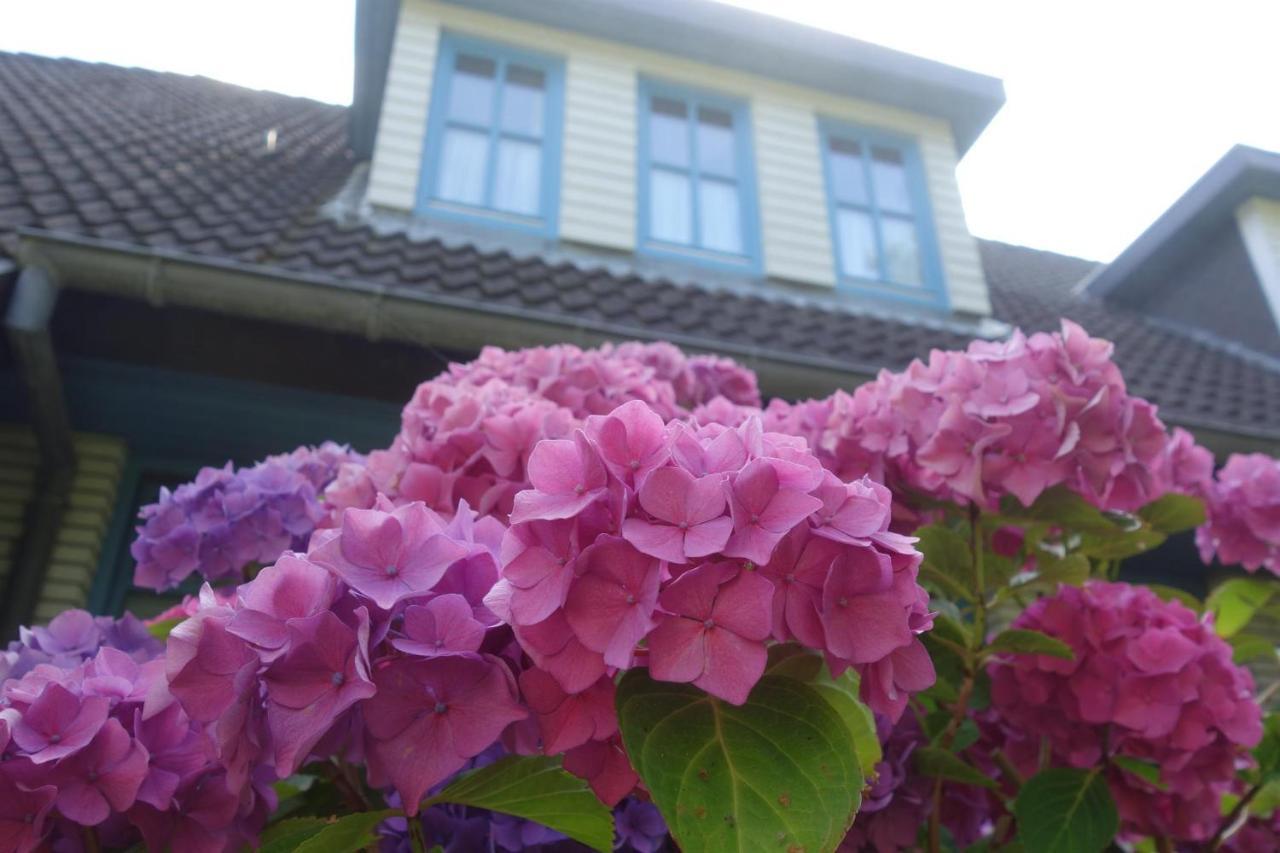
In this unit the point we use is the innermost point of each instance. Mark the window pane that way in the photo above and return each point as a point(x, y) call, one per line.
point(715, 141)
point(901, 251)
point(462, 165)
point(522, 100)
point(670, 210)
point(848, 179)
point(857, 244)
point(889, 175)
point(471, 94)
point(668, 132)
point(720, 225)
point(517, 183)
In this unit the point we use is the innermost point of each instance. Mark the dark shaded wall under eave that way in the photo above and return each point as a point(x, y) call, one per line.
point(1217, 290)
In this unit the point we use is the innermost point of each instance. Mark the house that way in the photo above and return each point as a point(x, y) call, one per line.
point(193, 272)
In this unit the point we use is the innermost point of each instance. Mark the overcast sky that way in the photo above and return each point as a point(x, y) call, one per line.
point(1114, 106)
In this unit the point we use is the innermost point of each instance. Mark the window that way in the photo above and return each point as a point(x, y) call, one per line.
point(880, 220)
point(493, 137)
point(697, 187)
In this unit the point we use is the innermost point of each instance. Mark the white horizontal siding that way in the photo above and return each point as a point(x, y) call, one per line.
point(402, 125)
point(598, 191)
point(793, 206)
point(1259, 223)
point(598, 175)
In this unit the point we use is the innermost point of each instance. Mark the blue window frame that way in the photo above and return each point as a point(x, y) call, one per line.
point(697, 178)
point(492, 152)
point(881, 223)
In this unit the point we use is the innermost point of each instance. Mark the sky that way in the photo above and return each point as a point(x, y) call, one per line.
point(1114, 107)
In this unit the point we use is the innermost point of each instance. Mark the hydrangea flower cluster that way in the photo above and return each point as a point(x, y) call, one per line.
point(1149, 681)
point(687, 549)
point(1243, 524)
point(229, 518)
point(467, 434)
point(73, 637)
point(374, 646)
point(596, 381)
point(90, 739)
point(1015, 417)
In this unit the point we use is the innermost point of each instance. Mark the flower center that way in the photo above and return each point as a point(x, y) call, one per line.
point(708, 623)
point(631, 599)
point(337, 679)
point(579, 489)
point(684, 525)
point(755, 518)
point(634, 464)
point(55, 738)
point(790, 578)
point(440, 644)
point(441, 708)
point(391, 571)
point(843, 602)
point(93, 776)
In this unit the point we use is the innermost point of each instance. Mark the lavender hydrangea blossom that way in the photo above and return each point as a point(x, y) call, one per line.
point(229, 518)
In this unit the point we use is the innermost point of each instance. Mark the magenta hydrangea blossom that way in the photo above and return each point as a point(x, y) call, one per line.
point(227, 519)
point(90, 744)
point(716, 541)
point(1243, 503)
point(1150, 681)
point(376, 645)
point(1010, 418)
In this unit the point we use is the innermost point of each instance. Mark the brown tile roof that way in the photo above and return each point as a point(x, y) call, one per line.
point(181, 163)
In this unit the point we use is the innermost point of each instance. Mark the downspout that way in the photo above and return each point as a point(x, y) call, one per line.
point(26, 325)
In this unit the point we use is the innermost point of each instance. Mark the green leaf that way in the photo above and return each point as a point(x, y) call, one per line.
point(947, 551)
point(1142, 769)
point(1251, 647)
point(792, 661)
point(1074, 570)
point(160, 630)
point(1172, 593)
point(1066, 811)
point(938, 763)
point(779, 771)
point(298, 783)
point(1062, 507)
point(1021, 641)
point(347, 834)
point(947, 555)
point(1267, 752)
point(1173, 513)
point(535, 788)
point(287, 835)
point(1120, 544)
point(1235, 602)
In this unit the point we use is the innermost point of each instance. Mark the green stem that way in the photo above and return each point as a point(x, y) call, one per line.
point(972, 662)
point(415, 834)
point(1220, 836)
point(979, 573)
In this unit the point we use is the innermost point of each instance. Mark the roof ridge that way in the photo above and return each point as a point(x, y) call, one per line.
point(232, 88)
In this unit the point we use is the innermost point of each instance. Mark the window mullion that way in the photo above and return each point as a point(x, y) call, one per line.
point(873, 203)
point(695, 237)
point(495, 120)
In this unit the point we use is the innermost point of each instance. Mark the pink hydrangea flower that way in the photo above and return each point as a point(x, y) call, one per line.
point(432, 716)
point(1243, 503)
point(718, 618)
point(389, 556)
point(1149, 681)
point(688, 516)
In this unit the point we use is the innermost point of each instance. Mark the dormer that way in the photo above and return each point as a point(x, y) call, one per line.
point(678, 138)
point(1210, 264)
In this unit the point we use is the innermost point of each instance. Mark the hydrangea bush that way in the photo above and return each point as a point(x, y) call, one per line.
point(608, 599)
